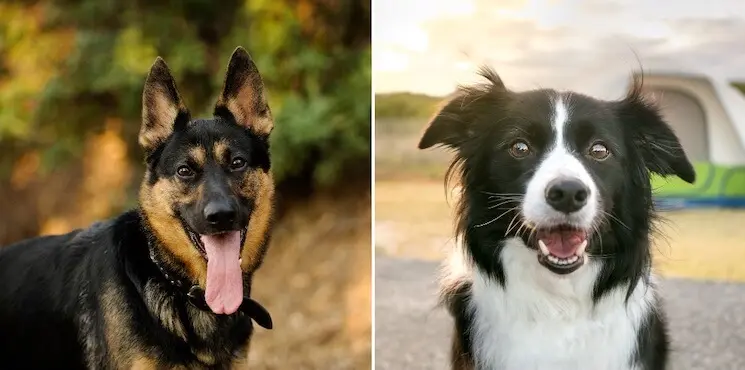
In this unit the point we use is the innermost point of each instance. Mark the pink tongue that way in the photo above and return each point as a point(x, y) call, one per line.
point(562, 243)
point(224, 293)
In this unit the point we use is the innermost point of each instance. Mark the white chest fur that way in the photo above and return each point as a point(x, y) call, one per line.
point(541, 320)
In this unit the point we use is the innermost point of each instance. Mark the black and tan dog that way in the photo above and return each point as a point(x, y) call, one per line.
point(166, 285)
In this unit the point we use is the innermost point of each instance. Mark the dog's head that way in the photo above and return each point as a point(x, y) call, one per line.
point(566, 173)
point(208, 193)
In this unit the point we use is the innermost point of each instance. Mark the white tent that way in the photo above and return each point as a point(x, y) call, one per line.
point(707, 113)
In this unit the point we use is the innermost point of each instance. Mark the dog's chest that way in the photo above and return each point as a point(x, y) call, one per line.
point(543, 321)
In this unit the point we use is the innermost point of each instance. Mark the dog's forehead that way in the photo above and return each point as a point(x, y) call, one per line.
point(216, 134)
point(589, 108)
point(548, 108)
point(537, 105)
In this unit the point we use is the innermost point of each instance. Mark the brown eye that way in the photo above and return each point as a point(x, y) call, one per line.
point(238, 164)
point(185, 172)
point(519, 149)
point(599, 151)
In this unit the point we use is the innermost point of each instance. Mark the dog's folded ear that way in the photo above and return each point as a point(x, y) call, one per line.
point(449, 126)
point(162, 107)
point(654, 138)
point(453, 124)
point(243, 97)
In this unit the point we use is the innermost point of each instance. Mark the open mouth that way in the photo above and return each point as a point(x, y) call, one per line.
point(562, 248)
point(198, 239)
point(224, 280)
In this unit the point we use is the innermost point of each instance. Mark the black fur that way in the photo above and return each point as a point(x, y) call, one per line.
point(65, 299)
point(481, 122)
point(49, 282)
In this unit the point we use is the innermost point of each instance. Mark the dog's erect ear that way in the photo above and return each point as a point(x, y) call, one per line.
point(243, 96)
point(452, 124)
point(655, 139)
point(162, 107)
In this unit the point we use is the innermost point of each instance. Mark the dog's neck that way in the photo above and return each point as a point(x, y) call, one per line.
point(195, 294)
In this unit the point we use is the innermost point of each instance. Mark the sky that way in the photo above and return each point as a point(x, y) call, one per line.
point(590, 46)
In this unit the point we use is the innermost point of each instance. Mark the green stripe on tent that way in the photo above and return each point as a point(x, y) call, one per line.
point(711, 181)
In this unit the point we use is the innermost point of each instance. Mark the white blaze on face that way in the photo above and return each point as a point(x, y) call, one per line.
point(559, 162)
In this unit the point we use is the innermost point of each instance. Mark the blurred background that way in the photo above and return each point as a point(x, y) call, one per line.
point(693, 57)
point(71, 78)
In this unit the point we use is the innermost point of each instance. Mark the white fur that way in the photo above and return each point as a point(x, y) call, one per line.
point(559, 162)
point(541, 320)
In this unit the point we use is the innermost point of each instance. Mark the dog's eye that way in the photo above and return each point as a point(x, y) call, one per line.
point(185, 172)
point(599, 151)
point(238, 163)
point(519, 149)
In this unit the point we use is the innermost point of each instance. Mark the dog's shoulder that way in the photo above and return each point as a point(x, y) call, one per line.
point(455, 294)
point(52, 268)
point(50, 285)
point(99, 232)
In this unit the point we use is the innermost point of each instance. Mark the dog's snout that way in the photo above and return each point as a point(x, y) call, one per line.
point(220, 214)
point(567, 195)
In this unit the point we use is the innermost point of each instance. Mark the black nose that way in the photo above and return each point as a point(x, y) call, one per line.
point(567, 195)
point(220, 214)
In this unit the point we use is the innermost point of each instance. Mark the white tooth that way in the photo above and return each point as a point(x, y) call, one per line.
point(581, 248)
point(544, 248)
point(573, 259)
point(562, 262)
point(553, 259)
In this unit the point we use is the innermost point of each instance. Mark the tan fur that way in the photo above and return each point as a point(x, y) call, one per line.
point(161, 107)
point(120, 341)
point(219, 150)
point(159, 128)
point(259, 186)
point(240, 363)
point(242, 108)
point(159, 113)
point(157, 203)
point(198, 155)
point(248, 103)
point(160, 305)
point(144, 363)
point(147, 363)
point(205, 357)
point(202, 322)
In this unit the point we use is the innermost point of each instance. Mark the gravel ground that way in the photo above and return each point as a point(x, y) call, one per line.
point(707, 320)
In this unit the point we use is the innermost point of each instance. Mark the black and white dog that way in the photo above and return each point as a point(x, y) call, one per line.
point(555, 215)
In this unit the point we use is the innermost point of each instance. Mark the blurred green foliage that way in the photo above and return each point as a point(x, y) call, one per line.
point(68, 65)
point(399, 105)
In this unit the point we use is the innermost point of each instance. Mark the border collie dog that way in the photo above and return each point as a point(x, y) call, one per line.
point(555, 216)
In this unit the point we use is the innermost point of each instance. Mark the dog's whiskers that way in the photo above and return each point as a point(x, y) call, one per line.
point(496, 218)
point(614, 218)
point(509, 227)
point(502, 203)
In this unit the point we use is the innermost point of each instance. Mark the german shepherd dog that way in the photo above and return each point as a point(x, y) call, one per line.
point(555, 215)
point(166, 285)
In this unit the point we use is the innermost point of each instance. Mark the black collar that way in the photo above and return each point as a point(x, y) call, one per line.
point(195, 296)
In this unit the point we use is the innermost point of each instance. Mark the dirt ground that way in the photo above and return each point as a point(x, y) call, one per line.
point(316, 283)
point(413, 219)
